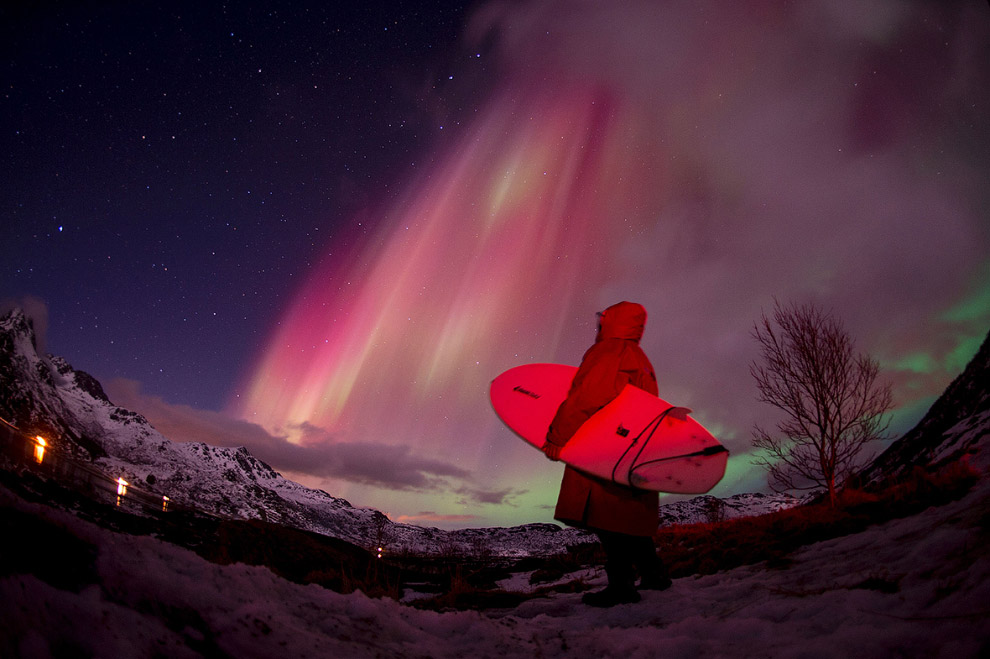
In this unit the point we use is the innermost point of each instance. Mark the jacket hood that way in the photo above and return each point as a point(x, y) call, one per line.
point(625, 320)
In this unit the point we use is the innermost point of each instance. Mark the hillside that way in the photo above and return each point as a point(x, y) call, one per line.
point(45, 395)
point(955, 426)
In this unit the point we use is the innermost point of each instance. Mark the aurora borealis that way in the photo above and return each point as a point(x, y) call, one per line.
point(697, 158)
point(506, 227)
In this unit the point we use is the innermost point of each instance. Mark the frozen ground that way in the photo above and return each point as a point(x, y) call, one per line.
point(917, 587)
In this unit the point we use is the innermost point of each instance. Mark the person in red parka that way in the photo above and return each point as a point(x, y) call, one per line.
point(623, 518)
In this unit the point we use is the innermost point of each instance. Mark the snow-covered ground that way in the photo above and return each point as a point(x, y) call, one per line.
point(916, 587)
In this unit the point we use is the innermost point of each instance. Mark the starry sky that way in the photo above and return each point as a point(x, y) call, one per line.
point(320, 232)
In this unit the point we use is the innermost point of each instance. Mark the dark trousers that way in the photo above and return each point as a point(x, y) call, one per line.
point(625, 554)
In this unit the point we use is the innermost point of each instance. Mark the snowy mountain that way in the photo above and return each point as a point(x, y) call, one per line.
point(954, 426)
point(45, 395)
point(711, 509)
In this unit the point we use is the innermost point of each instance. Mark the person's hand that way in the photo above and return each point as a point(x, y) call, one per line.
point(552, 451)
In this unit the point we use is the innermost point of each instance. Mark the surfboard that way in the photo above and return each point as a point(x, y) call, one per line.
point(638, 439)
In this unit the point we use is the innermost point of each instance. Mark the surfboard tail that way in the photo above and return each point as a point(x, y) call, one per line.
point(691, 473)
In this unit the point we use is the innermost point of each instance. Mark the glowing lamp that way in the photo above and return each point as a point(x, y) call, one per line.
point(39, 448)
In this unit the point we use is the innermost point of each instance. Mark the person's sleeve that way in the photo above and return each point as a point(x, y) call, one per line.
point(596, 383)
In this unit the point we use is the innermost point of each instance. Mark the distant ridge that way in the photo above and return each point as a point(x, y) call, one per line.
point(954, 426)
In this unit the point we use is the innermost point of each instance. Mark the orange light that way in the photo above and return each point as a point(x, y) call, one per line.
point(165, 501)
point(39, 449)
point(121, 489)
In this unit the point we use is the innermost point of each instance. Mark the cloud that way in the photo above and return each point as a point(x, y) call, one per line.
point(498, 497)
point(434, 518)
point(387, 466)
point(817, 151)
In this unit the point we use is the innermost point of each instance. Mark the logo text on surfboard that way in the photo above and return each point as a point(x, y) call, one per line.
point(527, 392)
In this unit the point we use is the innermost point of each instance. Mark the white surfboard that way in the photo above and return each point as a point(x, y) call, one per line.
point(638, 439)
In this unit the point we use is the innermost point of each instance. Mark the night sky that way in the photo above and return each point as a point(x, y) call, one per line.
point(320, 232)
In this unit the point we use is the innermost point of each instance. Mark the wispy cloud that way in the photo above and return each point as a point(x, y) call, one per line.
point(475, 495)
point(430, 517)
point(393, 467)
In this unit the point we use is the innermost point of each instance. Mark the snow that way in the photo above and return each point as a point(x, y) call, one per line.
point(918, 586)
point(912, 587)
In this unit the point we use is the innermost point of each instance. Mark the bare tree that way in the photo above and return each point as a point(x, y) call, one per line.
point(832, 401)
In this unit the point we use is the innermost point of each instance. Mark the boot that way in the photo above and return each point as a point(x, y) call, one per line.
point(620, 588)
point(651, 569)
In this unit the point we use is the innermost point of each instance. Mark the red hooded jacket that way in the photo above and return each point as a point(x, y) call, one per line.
point(613, 361)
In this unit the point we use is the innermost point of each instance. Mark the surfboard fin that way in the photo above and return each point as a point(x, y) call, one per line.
point(679, 413)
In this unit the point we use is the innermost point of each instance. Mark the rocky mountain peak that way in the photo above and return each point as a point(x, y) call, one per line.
point(954, 425)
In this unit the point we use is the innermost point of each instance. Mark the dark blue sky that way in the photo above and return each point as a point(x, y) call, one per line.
point(171, 170)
